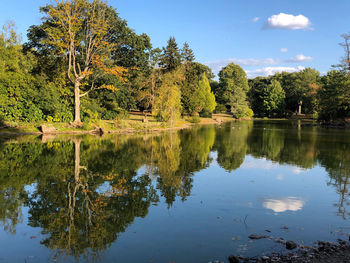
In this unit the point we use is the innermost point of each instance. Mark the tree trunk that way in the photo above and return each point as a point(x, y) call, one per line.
point(77, 167)
point(77, 103)
point(152, 93)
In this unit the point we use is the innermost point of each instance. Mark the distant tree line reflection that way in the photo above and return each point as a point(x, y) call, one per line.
point(84, 191)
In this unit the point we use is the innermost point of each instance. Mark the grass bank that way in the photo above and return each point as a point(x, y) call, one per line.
point(135, 123)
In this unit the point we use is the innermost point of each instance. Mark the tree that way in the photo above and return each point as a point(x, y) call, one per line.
point(335, 96)
point(273, 98)
point(231, 145)
point(314, 95)
point(171, 57)
point(80, 32)
point(203, 99)
point(18, 95)
point(233, 90)
point(297, 87)
point(130, 50)
point(148, 83)
point(187, 53)
point(255, 95)
point(193, 74)
point(345, 60)
point(167, 104)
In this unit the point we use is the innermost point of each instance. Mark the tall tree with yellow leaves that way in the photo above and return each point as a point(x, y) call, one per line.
point(80, 31)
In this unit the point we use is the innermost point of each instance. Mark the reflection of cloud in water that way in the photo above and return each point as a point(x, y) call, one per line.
point(280, 177)
point(264, 164)
point(259, 164)
point(298, 170)
point(283, 204)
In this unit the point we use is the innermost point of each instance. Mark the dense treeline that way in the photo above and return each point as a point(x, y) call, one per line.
point(306, 92)
point(84, 63)
point(326, 97)
point(90, 65)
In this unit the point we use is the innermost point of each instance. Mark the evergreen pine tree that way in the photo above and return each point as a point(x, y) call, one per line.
point(187, 53)
point(171, 57)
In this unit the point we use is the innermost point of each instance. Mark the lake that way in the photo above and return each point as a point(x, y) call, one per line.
point(193, 195)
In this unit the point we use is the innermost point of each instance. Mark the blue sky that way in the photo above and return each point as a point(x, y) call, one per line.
point(251, 33)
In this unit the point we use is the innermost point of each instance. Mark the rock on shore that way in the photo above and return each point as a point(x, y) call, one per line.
point(324, 252)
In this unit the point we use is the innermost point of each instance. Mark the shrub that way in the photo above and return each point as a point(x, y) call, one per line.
point(220, 108)
point(206, 114)
point(90, 116)
point(194, 119)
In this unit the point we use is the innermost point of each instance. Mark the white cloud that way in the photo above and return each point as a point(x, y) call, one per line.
point(299, 58)
point(289, 22)
point(216, 66)
point(267, 71)
point(284, 50)
point(255, 61)
point(255, 19)
point(283, 204)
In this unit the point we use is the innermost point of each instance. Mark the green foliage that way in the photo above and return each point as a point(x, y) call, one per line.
point(194, 73)
point(34, 84)
point(297, 87)
point(220, 108)
point(2, 122)
point(255, 95)
point(171, 57)
point(209, 102)
point(335, 96)
point(130, 50)
point(233, 90)
point(187, 53)
point(273, 98)
point(90, 116)
point(27, 93)
point(194, 119)
point(122, 115)
point(18, 93)
point(206, 114)
point(167, 105)
point(203, 99)
point(231, 144)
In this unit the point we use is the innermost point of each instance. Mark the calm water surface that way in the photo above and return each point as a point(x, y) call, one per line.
point(188, 196)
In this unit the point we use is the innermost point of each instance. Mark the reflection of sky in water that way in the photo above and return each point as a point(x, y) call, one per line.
point(220, 208)
point(30, 189)
point(264, 164)
point(283, 204)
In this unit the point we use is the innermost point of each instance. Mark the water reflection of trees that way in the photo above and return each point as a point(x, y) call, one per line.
point(231, 145)
point(177, 156)
point(86, 191)
point(335, 158)
point(83, 210)
point(284, 143)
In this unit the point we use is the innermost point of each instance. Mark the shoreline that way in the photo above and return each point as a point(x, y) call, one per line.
point(54, 128)
point(323, 252)
point(137, 125)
